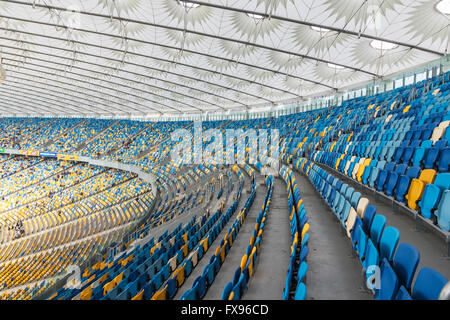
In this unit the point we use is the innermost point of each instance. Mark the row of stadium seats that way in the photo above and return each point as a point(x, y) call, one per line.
point(424, 191)
point(296, 277)
point(150, 268)
point(375, 244)
point(235, 289)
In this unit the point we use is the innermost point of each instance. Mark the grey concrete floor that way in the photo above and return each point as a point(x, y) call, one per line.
point(197, 271)
point(333, 273)
point(239, 246)
point(272, 263)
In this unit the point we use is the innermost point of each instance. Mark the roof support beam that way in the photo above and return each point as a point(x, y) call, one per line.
point(310, 24)
point(151, 24)
point(142, 66)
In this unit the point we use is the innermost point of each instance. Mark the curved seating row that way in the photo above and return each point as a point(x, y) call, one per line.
point(235, 289)
point(296, 276)
point(424, 191)
point(375, 243)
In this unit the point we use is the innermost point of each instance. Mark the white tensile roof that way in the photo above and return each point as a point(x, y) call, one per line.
point(154, 57)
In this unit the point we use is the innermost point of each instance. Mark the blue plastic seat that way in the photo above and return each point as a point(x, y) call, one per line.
point(389, 242)
point(373, 177)
point(407, 154)
point(382, 175)
point(227, 291)
point(443, 163)
point(393, 177)
point(371, 259)
point(369, 214)
point(404, 183)
point(355, 199)
point(189, 295)
point(354, 233)
point(405, 263)
point(389, 282)
point(345, 212)
point(428, 285)
point(430, 158)
point(403, 294)
point(377, 228)
point(361, 244)
point(443, 211)
point(419, 152)
point(432, 194)
point(200, 287)
point(300, 292)
point(302, 270)
point(398, 154)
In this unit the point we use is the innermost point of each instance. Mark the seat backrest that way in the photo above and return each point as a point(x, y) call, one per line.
point(362, 205)
point(381, 164)
point(389, 242)
point(369, 214)
point(344, 189)
point(427, 143)
point(349, 193)
point(427, 175)
point(356, 196)
point(403, 294)
point(389, 282)
point(401, 169)
point(443, 181)
point(405, 264)
point(428, 285)
point(440, 144)
point(413, 172)
point(377, 228)
point(389, 166)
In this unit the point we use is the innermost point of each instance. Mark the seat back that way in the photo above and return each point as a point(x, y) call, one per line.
point(369, 214)
point(427, 176)
point(389, 242)
point(377, 228)
point(361, 208)
point(405, 264)
point(389, 282)
point(428, 285)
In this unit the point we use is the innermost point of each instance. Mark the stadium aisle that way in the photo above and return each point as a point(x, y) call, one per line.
point(269, 278)
point(233, 259)
point(205, 260)
point(333, 273)
point(432, 248)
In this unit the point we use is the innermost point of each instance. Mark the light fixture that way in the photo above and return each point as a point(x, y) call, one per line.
point(321, 30)
point(188, 5)
point(335, 66)
point(383, 45)
point(443, 7)
point(255, 16)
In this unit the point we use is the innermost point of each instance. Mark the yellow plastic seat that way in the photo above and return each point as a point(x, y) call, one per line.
point(180, 276)
point(161, 294)
point(243, 262)
point(108, 287)
point(86, 294)
point(361, 169)
point(305, 230)
point(139, 295)
point(417, 187)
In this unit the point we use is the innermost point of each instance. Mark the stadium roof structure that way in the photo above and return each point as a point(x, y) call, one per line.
point(141, 57)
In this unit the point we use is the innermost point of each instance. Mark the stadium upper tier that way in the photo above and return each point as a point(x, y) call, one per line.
point(56, 213)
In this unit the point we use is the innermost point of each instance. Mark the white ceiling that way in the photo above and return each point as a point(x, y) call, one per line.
point(141, 57)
